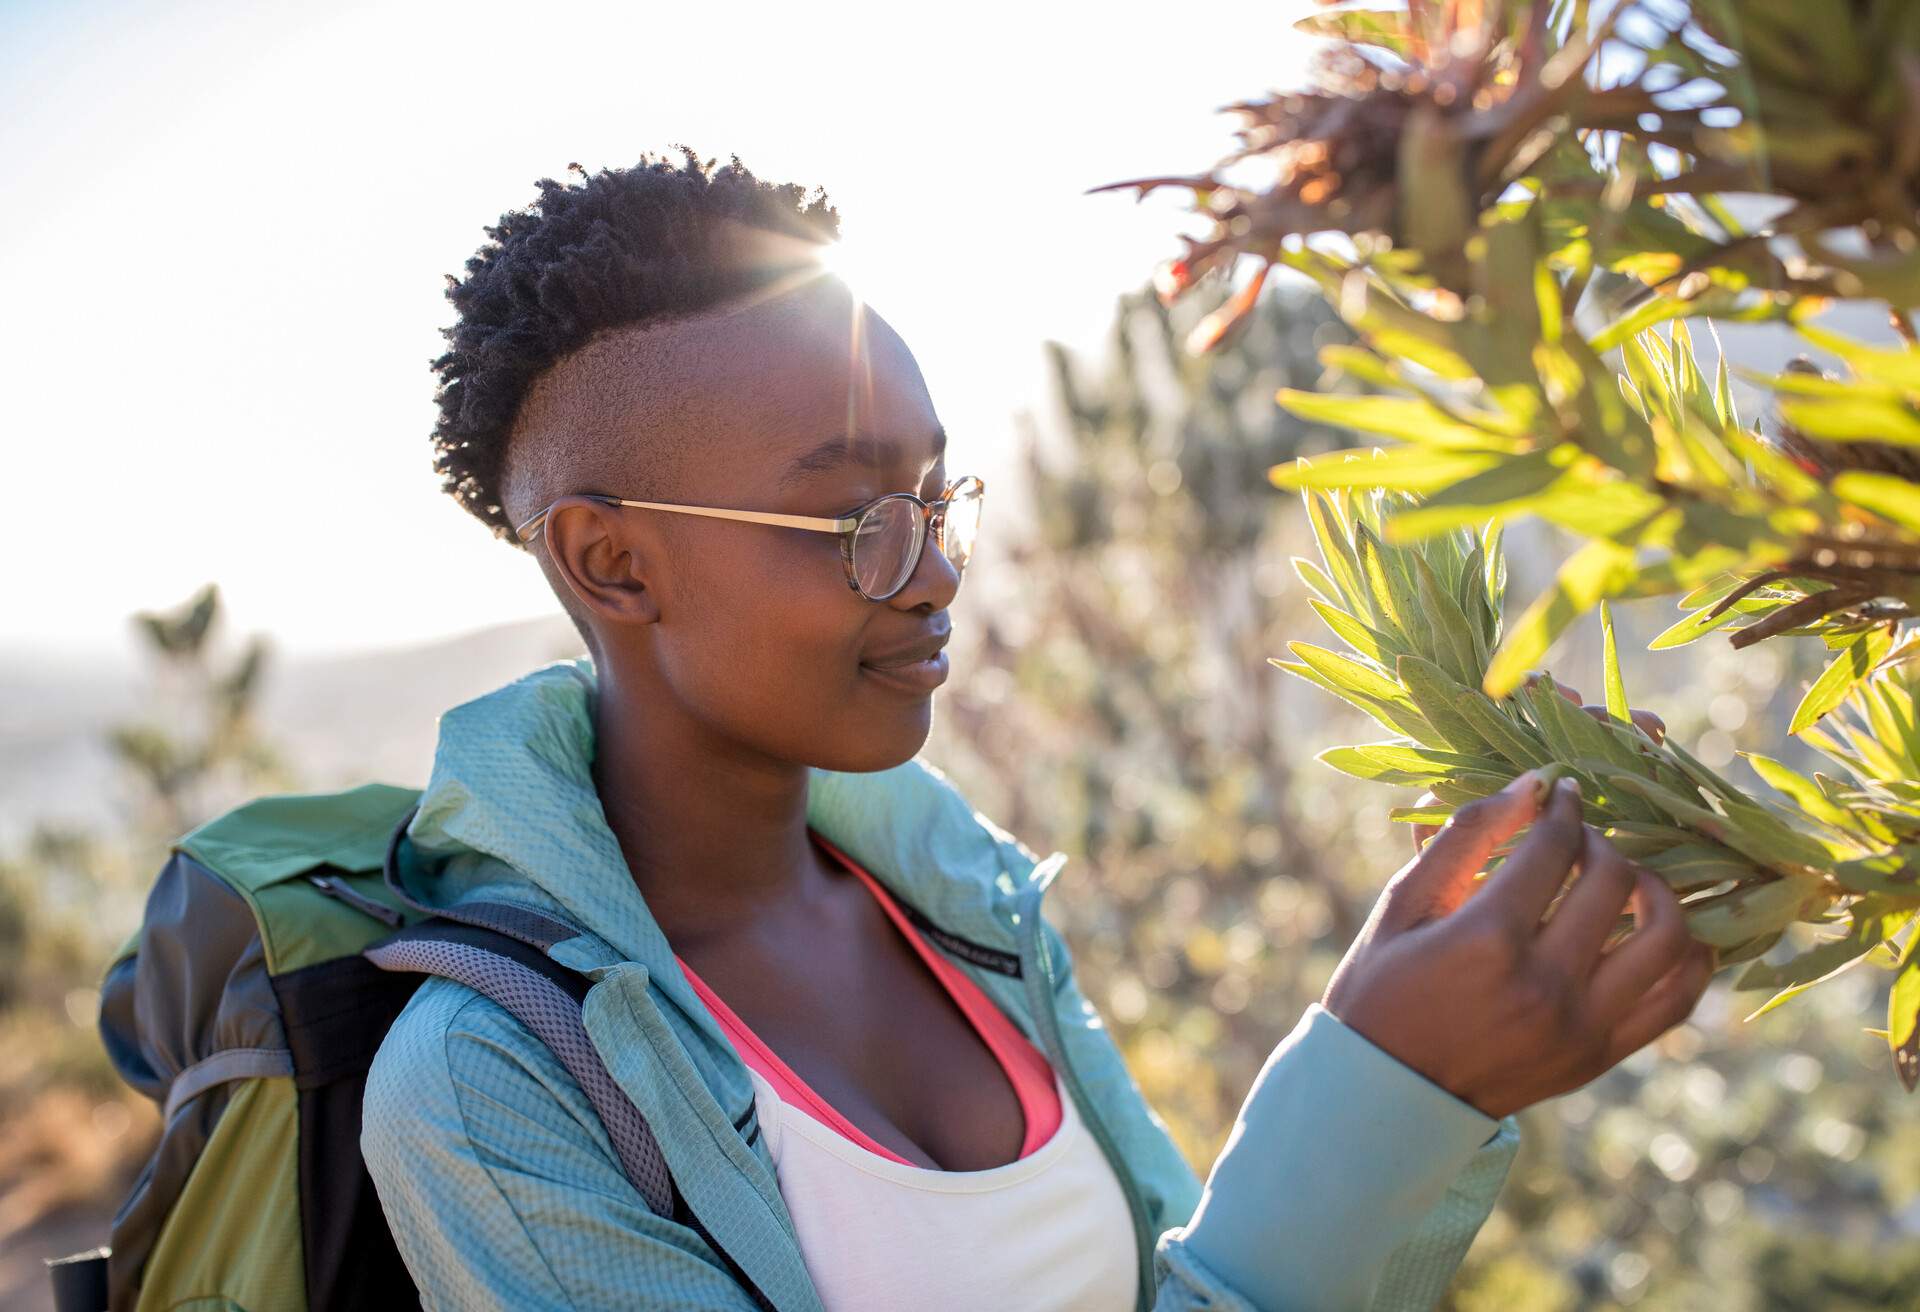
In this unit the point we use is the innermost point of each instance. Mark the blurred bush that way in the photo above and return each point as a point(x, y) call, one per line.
point(68, 899)
point(1120, 709)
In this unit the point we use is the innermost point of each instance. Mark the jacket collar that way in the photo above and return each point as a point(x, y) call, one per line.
point(510, 813)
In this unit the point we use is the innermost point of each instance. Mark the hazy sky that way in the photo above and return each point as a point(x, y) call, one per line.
point(227, 226)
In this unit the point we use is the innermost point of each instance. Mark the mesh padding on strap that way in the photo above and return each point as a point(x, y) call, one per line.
point(554, 1018)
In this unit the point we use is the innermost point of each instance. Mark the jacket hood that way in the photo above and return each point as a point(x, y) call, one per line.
point(510, 814)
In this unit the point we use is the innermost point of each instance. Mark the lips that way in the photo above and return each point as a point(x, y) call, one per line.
point(916, 677)
point(917, 667)
point(923, 649)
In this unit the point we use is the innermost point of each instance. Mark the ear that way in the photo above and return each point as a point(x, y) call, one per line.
point(600, 555)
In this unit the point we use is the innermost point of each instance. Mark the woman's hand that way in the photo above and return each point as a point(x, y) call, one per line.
point(1465, 984)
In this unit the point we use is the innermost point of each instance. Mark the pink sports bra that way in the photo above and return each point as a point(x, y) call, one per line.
point(1025, 1066)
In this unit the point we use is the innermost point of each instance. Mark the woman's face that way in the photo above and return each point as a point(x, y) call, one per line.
point(815, 407)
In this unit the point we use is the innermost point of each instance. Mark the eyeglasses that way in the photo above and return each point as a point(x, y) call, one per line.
point(880, 543)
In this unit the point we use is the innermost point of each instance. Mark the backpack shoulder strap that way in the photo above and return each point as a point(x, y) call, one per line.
point(500, 951)
point(544, 996)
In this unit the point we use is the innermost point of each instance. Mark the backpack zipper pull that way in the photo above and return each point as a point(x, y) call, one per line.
point(335, 887)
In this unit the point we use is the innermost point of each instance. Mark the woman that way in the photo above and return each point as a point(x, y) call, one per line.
point(824, 979)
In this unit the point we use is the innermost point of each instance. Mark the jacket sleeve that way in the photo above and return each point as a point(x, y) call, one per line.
point(1349, 1183)
point(499, 1183)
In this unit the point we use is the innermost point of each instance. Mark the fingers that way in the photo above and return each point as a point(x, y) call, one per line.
point(1441, 877)
point(1670, 1001)
point(1571, 694)
point(1634, 965)
point(1520, 891)
point(1645, 721)
point(1587, 914)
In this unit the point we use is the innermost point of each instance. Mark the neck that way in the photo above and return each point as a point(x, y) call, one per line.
point(715, 837)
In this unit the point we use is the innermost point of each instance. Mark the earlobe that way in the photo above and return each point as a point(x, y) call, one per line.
point(607, 572)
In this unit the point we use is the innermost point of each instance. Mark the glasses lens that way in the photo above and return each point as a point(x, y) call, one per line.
point(886, 546)
point(960, 525)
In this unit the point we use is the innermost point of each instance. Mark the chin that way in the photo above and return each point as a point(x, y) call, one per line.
point(877, 743)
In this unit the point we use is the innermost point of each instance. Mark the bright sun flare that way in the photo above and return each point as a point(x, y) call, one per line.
point(844, 262)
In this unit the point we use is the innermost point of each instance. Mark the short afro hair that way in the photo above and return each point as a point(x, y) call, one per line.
point(620, 247)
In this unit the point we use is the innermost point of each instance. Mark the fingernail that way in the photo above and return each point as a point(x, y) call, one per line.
point(1522, 783)
point(1569, 788)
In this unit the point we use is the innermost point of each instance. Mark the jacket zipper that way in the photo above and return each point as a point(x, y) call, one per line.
point(1037, 972)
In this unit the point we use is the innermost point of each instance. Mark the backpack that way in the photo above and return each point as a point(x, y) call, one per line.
point(277, 947)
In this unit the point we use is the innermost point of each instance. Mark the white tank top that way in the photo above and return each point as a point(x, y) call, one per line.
point(1048, 1231)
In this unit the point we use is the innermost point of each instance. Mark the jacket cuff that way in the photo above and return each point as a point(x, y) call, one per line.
point(1337, 1153)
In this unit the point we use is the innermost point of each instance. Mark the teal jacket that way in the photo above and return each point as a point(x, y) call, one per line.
point(1347, 1181)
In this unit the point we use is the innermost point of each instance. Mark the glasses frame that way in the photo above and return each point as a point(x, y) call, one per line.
point(932, 521)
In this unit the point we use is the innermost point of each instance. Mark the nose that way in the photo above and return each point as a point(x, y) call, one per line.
point(933, 583)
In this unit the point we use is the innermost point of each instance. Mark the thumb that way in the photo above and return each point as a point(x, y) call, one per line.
point(1441, 877)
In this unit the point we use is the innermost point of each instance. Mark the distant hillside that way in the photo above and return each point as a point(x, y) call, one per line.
point(342, 720)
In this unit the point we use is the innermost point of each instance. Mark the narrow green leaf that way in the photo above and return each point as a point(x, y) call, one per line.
point(1801, 789)
point(1641, 841)
point(1712, 590)
point(1389, 593)
point(1898, 369)
point(1502, 489)
point(1363, 638)
point(1408, 468)
point(1892, 498)
point(1821, 962)
point(1895, 873)
point(1744, 914)
point(1903, 1011)
point(1854, 663)
point(1610, 669)
point(1331, 535)
point(1649, 376)
point(1853, 417)
point(1394, 716)
point(1698, 865)
point(1427, 760)
point(1350, 761)
point(1348, 673)
point(1447, 624)
point(1408, 419)
point(1723, 406)
point(1318, 580)
point(1695, 627)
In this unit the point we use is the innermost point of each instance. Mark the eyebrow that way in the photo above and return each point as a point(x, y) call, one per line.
point(839, 450)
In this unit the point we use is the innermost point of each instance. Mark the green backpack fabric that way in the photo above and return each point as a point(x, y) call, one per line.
point(274, 954)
